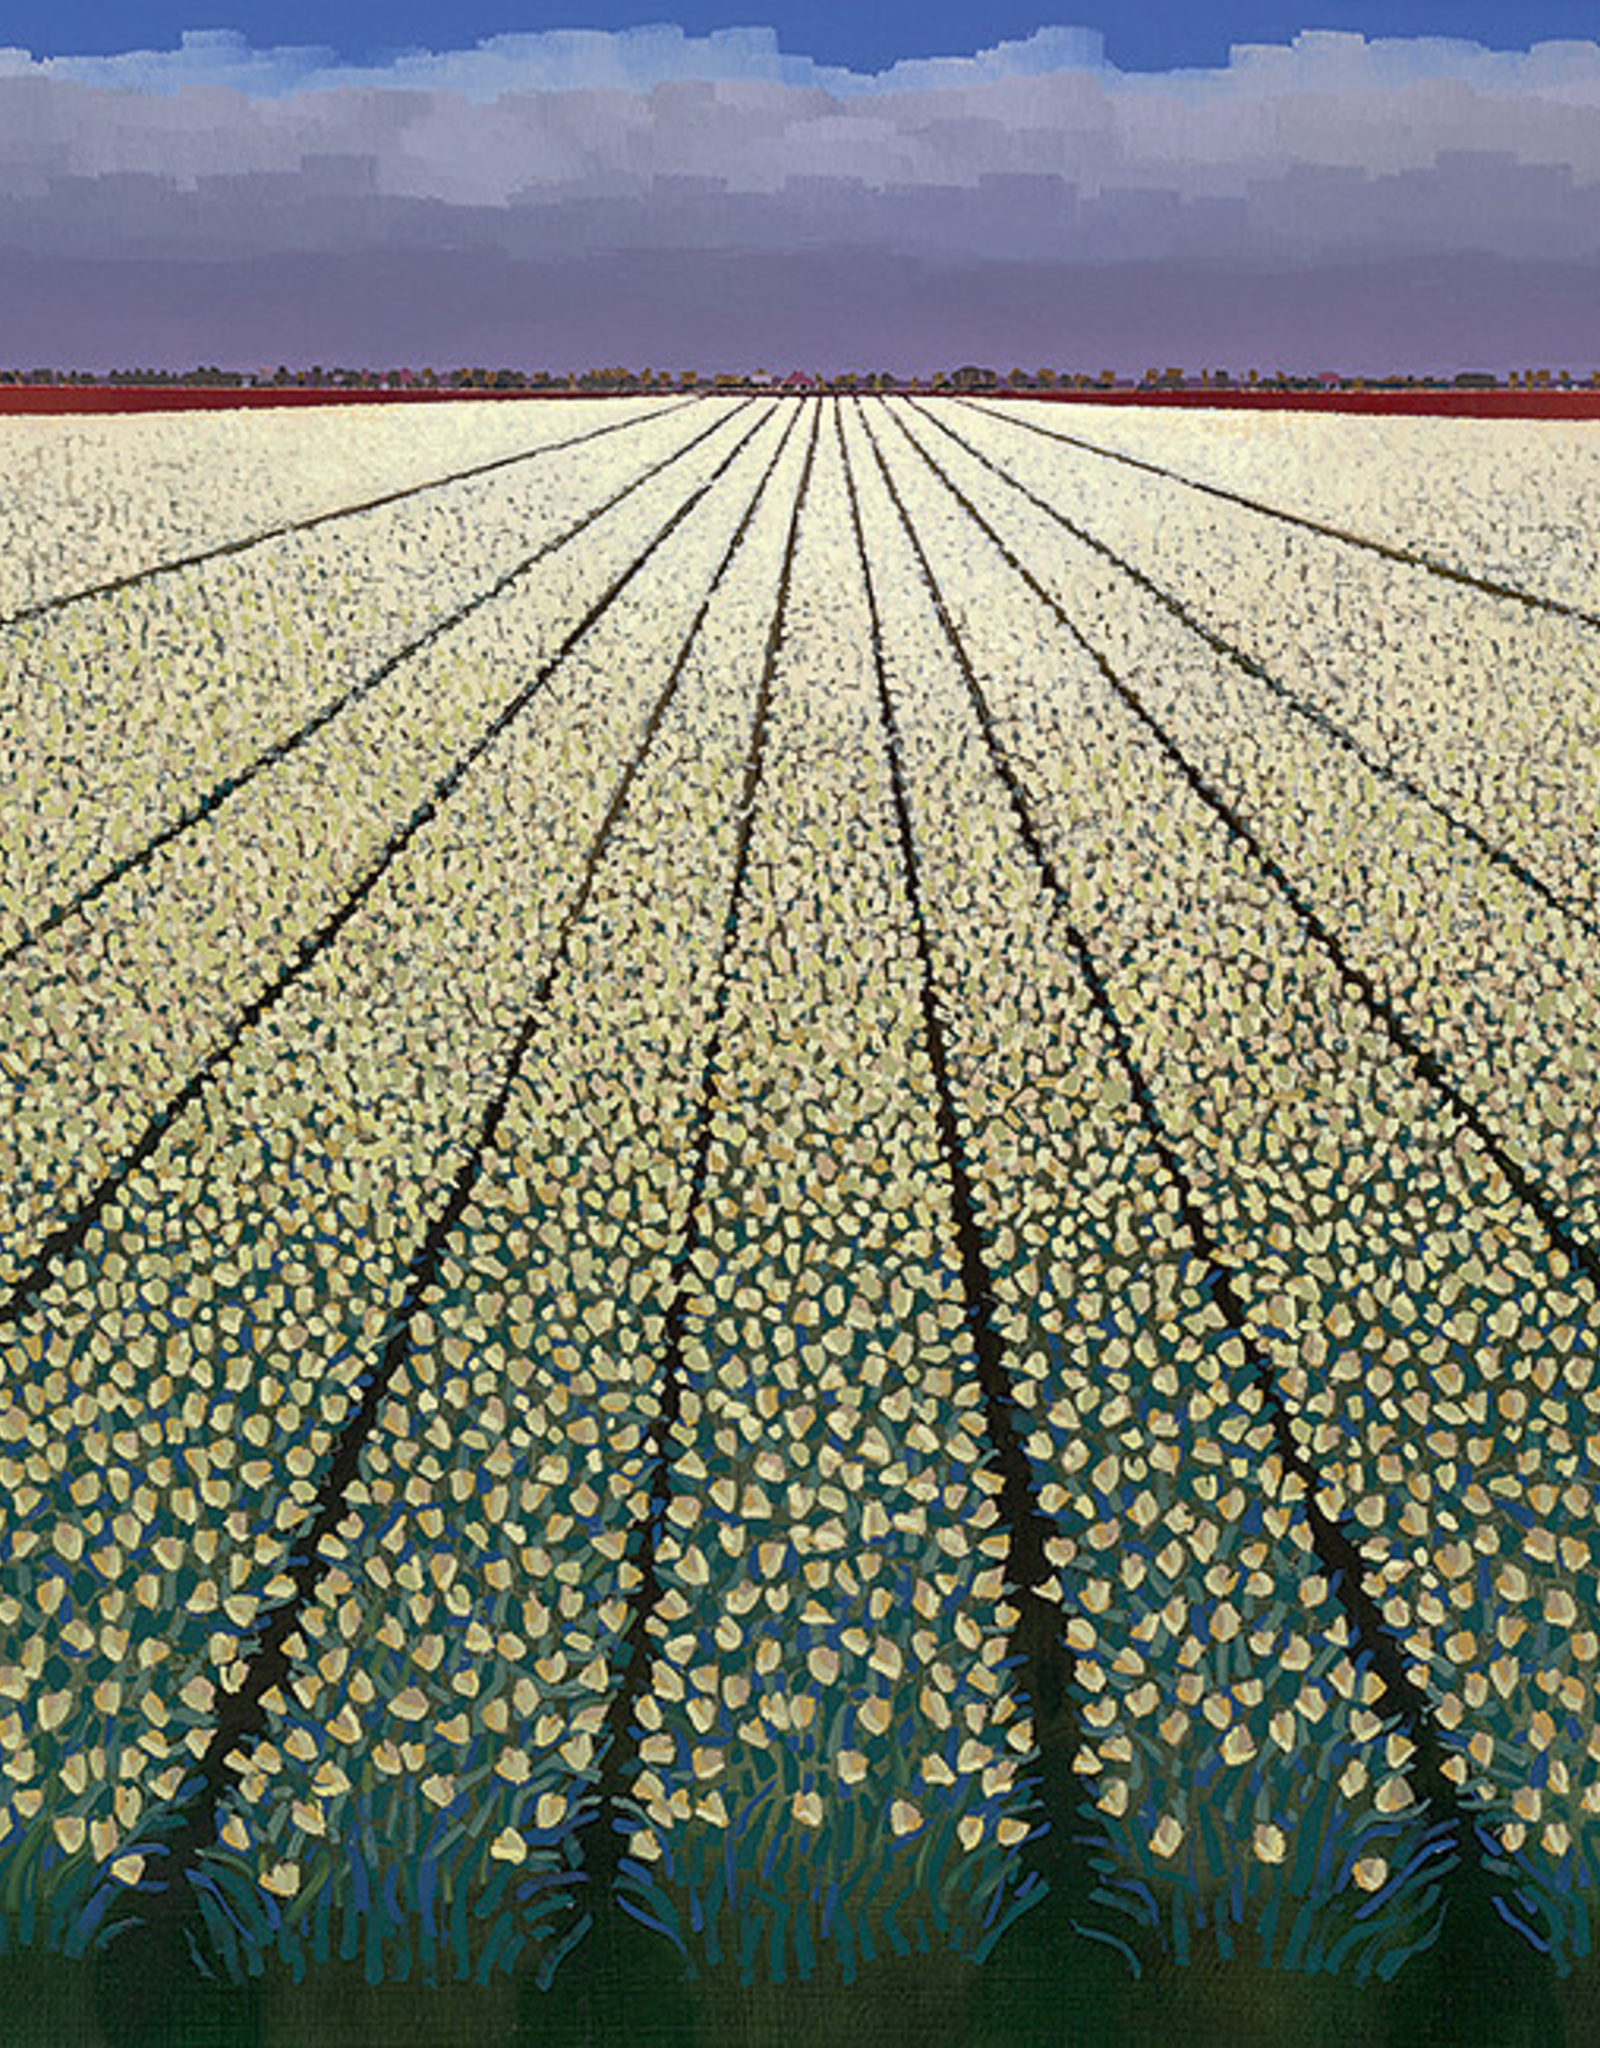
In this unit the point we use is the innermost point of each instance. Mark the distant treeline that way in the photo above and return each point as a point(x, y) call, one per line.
point(965, 377)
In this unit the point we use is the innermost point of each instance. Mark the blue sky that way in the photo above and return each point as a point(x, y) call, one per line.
point(862, 34)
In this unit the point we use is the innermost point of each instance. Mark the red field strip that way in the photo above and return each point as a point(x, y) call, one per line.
point(72, 398)
point(1479, 405)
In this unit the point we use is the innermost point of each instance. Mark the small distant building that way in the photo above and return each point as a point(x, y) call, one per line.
point(797, 380)
point(1475, 380)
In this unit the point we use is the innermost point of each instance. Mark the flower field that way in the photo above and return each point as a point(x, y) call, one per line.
point(818, 1178)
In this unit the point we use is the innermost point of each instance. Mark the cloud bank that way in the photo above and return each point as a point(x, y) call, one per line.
point(648, 194)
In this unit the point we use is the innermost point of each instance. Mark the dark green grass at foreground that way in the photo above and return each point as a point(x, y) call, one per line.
point(1038, 1991)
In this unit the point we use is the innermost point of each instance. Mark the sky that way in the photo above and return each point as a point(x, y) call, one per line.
point(892, 187)
point(863, 35)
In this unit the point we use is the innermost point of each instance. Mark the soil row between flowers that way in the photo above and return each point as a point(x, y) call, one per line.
point(1410, 558)
point(191, 1823)
point(1046, 1677)
point(1385, 771)
point(1474, 1920)
point(1425, 1063)
point(68, 1236)
point(131, 579)
point(206, 806)
point(620, 1735)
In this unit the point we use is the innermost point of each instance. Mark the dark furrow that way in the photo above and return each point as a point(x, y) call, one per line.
point(1046, 1668)
point(67, 1238)
point(616, 1744)
point(1341, 736)
point(133, 577)
point(280, 750)
point(189, 1823)
point(1337, 1554)
point(1425, 1064)
point(1483, 1954)
point(1407, 557)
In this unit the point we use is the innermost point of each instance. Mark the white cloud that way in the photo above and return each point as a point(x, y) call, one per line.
point(205, 57)
point(637, 59)
point(556, 60)
point(1330, 144)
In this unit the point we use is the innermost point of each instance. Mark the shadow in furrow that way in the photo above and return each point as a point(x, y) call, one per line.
point(1408, 558)
point(230, 785)
point(1476, 1945)
point(1044, 1666)
point(134, 577)
point(1425, 1064)
point(1320, 721)
point(160, 1931)
point(68, 1236)
point(619, 1937)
